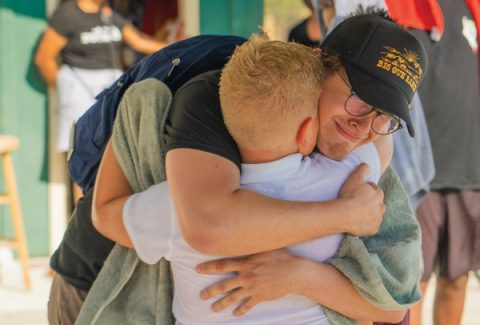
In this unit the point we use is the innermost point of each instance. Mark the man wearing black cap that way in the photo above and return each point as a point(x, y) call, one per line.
point(202, 160)
point(384, 66)
point(382, 70)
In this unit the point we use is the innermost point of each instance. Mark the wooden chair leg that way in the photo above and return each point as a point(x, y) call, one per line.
point(17, 221)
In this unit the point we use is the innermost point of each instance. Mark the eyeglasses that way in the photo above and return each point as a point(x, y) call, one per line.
point(382, 124)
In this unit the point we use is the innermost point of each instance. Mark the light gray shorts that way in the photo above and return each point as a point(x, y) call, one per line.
point(76, 91)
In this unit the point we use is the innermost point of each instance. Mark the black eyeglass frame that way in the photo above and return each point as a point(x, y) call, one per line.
point(377, 111)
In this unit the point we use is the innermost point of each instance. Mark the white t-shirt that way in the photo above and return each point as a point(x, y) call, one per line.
point(151, 223)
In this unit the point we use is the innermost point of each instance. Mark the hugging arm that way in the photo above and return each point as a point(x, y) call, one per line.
point(142, 221)
point(259, 275)
point(111, 192)
point(217, 217)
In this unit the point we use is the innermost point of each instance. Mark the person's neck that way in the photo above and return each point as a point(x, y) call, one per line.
point(90, 6)
point(263, 156)
point(313, 29)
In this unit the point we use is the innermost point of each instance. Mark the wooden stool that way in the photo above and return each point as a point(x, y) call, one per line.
point(9, 144)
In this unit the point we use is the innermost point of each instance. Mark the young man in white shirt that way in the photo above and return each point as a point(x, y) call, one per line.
point(338, 123)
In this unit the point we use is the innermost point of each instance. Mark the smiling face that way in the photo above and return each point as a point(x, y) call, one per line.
point(339, 132)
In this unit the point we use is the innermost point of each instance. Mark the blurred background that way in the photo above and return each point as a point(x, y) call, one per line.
point(27, 111)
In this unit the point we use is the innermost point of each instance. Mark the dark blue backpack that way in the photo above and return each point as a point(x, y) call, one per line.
point(173, 65)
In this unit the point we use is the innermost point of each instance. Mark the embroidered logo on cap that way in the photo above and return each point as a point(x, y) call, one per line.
point(404, 66)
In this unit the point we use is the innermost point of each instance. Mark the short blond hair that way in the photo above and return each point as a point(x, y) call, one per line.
point(267, 89)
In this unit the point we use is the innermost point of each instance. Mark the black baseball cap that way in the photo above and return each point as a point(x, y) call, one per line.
point(384, 62)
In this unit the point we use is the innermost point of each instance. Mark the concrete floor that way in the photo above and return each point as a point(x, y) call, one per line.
point(19, 306)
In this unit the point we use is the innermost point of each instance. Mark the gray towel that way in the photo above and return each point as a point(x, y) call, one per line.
point(385, 268)
point(128, 291)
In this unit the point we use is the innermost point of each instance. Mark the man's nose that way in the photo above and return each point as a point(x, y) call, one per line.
point(362, 124)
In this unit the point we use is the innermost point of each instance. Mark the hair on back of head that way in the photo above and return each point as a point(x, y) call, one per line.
point(267, 89)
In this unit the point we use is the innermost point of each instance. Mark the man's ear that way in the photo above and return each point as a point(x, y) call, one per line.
point(303, 133)
point(317, 51)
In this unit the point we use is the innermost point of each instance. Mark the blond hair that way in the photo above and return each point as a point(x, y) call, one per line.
point(267, 89)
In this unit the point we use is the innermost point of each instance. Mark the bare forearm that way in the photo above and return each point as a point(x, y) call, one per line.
point(219, 218)
point(216, 217)
point(330, 288)
point(141, 42)
point(268, 223)
point(257, 279)
point(48, 70)
point(46, 54)
point(149, 45)
point(108, 221)
point(111, 192)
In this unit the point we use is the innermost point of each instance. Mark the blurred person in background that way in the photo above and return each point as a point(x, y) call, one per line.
point(311, 31)
point(450, 213)
point(157, 18)
point(80, 54)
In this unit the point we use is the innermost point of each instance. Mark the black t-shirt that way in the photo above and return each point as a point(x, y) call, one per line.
point(299, 35)
point(195, 121)
point(83, 250)
point(92, 43)
point(451, 99)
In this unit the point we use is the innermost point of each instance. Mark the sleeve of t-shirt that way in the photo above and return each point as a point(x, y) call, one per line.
point(149, 219)
point(59, 21)
point(292, 35)
point(195, 120)
point(119, 20)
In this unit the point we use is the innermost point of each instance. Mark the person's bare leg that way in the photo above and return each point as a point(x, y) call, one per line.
point(416, 311)
point(449, 300)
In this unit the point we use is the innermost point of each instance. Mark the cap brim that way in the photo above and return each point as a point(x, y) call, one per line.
point(379, 94)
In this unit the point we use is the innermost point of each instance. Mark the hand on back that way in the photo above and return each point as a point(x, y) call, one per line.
point(256, 279)
point(365, 203)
